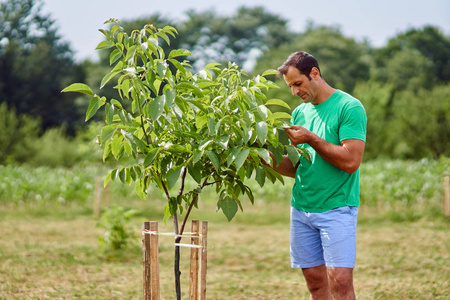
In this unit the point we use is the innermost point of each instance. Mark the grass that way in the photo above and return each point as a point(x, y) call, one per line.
point(49, 245)
point(50, 256)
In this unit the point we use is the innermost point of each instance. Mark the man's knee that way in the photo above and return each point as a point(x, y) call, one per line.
point(341, 281)
point(317, 282)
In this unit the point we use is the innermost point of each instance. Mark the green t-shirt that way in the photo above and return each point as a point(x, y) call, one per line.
point(319, 186)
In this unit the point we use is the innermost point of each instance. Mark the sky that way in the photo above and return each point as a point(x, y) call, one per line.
point(374, 20)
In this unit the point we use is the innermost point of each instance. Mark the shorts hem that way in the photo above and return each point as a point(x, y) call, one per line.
point(298, 266)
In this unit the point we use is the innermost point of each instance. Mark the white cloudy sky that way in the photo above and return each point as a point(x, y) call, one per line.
point(376, 20)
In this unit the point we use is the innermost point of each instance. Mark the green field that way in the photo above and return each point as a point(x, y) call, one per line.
point(49, 245)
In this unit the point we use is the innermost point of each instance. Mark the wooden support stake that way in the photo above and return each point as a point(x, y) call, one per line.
point(193, 278)
point(446, 200)
point(106, 196)
point(203, 259)
point(154, 257)
point(98, 197)
point(146, 261)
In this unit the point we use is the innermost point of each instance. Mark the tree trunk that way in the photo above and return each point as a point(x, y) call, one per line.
point(177, 273)
point(176, 266)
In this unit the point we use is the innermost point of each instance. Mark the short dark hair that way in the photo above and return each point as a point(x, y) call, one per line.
point(302, 60)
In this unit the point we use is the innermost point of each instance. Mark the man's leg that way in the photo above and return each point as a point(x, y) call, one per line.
point(341, 283)
point(338, 232)
point(317, 282)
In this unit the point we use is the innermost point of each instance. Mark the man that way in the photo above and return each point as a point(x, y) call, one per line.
point(331, 125)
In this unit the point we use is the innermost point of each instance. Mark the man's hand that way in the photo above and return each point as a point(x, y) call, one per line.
point(347, 156)
point(298, 135)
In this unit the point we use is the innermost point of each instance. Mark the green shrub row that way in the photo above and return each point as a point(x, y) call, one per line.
point(386, 185)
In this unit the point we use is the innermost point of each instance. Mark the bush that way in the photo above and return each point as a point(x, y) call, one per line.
point(114, 220)
point(405, 124)
point(399, 186)
point(18, 135)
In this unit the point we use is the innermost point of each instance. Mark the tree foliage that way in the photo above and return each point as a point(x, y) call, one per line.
point(429, 41)
point(213, 126)
point(35, 64)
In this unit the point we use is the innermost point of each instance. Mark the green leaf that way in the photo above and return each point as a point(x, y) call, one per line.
point(130, 53)
point(116, 103)
point(205, 143)
point(262, 130)
point(170, 30)
point(262, 111)
point(79, 88)
point(161, 68)
point(279, 115)
point(260, 175)
point(292, 154)
point(170, 97)
point(240, 158)
point(150, 157)
point(172, 176)
point(179, 52)
point(176, 149)
point(190, 87)
point(278, 153)
point(249, 193)
point(200, 121)
point(140, 188)
point(248, 133)
point(123, 175)
point(199, 104)
point(167, 213)
point(304, 153)
point(94, 105)
point(249, 118)
point(107, 180)
point(214, 159)
point(223, 141)
point(264, 154)
point(232, 155)
point(278, 102)
point(109, 113)
point(157, 107)
point(228, 206)
point(106, 150)
point(197, 155)
point(195, 170)
point(115, 56)
point(275, 174)
point(107, 133)
point(270, 72)
point(116, 145)
point(179, 66)
point(211, 66)
point(108, 77)
point(211, 126)
point(164, 37)
point(105, 45)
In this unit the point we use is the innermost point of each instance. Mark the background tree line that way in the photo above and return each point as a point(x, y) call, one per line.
point(403, 85)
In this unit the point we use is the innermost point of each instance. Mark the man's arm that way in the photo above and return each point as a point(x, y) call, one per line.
point(285, 168)
point(347, 156)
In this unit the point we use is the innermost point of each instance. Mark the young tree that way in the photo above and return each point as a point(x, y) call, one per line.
point(213, 126)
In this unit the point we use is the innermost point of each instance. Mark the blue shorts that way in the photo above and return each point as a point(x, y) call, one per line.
point(324, 238)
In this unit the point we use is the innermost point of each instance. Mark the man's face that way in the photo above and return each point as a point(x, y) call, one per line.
point(300, 84)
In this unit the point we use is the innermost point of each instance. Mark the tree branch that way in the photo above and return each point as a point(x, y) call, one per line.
point(194, 200)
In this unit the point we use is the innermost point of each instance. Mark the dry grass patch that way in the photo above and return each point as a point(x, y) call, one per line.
point(50, 257)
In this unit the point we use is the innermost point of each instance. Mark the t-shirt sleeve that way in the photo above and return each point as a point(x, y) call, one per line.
point(354, 124)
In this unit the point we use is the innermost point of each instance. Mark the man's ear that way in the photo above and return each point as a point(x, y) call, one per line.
point(315, 73)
